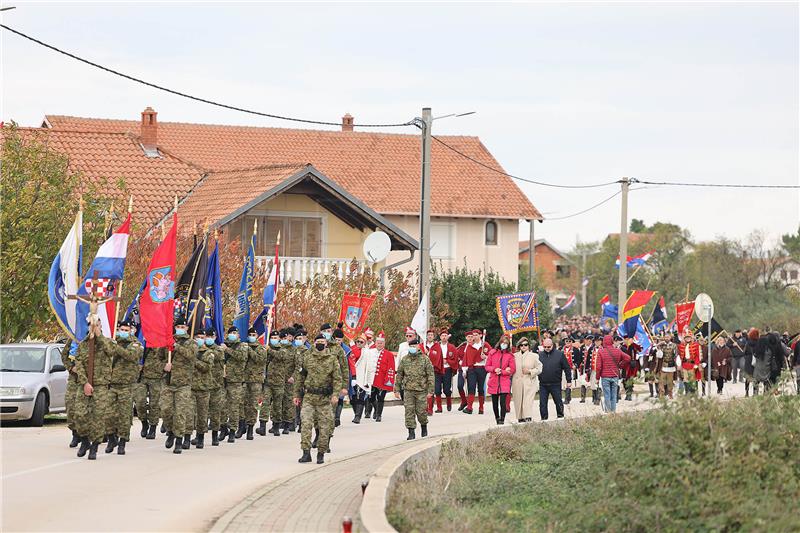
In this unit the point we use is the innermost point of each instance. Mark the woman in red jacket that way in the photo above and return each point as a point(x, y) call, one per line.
point(500, 366)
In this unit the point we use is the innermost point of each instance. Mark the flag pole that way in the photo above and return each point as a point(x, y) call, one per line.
point(119, 288)
point(163, 235)
point(272, 314)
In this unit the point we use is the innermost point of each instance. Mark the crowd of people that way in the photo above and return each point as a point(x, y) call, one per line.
point(299, 382)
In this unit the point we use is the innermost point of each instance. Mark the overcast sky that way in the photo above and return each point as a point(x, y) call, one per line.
point(572, 94)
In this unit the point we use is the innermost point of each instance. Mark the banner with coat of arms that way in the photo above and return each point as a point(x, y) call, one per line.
point(353, 315)
point(518, 312)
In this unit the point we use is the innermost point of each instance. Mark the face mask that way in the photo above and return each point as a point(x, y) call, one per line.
point(251, 338)
point(200, 342)
point(319, 347)
point(504, 346)
point(233, 337)
point(412, 350)
point(123, 335)
point(274, 342)
point(209, 342)
point(326, 335)
point(180, 332)
point(284, 342)
point(298, 342)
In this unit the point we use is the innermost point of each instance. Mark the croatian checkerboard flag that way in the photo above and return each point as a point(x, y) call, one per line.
point(103, 278)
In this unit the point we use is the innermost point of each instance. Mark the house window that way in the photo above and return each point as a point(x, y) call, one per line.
point(784, 275)
point(563, 271)
point(300, 236)
point(491, 233)
point(442, 241)
point(793, 275)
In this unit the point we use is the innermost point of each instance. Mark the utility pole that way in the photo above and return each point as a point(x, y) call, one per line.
point(531, 256)
point(425, 212)
point(622, 295)
point(583, 285)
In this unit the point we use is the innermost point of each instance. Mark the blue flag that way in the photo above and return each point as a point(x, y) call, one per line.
point(213, 315)
point(132, 313)
point(241, 317)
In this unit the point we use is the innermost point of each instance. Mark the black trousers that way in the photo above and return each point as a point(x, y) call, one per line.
point(476, 381)
point(545, 391)
point(499, 411)
point(377, 396)
point(443, 383)
point(461, 382)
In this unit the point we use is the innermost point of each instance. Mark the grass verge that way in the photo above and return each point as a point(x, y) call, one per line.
point(696, 465)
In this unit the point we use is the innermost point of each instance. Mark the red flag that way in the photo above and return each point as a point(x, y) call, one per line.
point(355, 308)
point(156, 305)
point(683, 315)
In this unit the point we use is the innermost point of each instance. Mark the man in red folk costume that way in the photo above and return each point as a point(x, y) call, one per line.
point(474, 360)
point(434, 352)
point(690, 357)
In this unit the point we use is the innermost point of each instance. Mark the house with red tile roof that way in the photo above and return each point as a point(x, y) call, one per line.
point(324, 191)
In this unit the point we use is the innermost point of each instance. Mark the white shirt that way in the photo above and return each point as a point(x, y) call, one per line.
point(402, 351)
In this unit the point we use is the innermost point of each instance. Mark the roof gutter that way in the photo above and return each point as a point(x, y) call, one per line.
point(393, 265)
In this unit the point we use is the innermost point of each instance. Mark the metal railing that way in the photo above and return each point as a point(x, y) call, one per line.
point(302, 269)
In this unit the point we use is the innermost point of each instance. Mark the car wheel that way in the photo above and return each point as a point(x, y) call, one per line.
point(39, 410)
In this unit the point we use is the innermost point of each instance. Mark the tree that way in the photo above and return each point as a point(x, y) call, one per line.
point(791, 243)
point(637, 226)
point(40, 199)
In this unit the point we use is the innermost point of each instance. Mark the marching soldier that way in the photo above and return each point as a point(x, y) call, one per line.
point(337, 348)
point(92, 403)
point(415, 376)
point(202, 383)
point(68, 360)
point(301, 347)
point(124, 372)
point(147, 390)
point(319, 379)
point(176, 396)
point(254, 381)
point(280, 359)
point(216, 401)
point(236, 353)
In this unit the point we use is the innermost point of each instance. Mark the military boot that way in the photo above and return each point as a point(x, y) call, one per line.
point(151, 432)
point(306, 458)
point(320, 458)
point(275, 429)
point(241, 429)
point(337, 417)
point(194, 440)
point(121, 447)
point(231, 436)
point(187, 441)
point(378, 411)
point(75, 439)
point(583, 394)
point(358, 408)
point(249, 431)
point(223, 432)
point(285, 428)
point(85, 445)
point(368, 409)
point(411, 434)
point(170, 440)
point(93, 451)
point(567, 396)
point(262, 428)
point(163, 428)
point(292, 427)
point(178, 446)
point(424, 430)
point(145, 429)
point(201, 437)
point(316, 439)
point(214, 438)
point(112, 443)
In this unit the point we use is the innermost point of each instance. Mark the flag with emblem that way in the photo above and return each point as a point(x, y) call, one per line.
point(156, 304)
point(241, 315)
point(65, 273)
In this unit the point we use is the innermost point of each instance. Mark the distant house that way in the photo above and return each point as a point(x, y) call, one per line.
point(785, 273)
point(554, 270)
point(324, 191)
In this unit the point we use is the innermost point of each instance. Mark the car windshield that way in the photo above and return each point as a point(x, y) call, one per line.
point(22, 359)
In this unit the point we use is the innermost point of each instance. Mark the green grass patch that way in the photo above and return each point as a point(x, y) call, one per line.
point(694, 465)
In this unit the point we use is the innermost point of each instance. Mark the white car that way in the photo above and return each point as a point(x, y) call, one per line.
point(33, 381)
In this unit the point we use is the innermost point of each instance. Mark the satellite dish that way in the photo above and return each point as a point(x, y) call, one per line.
point(377, 246)
point(704, 307)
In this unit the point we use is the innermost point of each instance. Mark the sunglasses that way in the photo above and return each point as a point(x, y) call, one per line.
point(524, 344)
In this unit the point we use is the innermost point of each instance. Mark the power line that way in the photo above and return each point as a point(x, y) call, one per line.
point(545, 184)
point(723, 185)
point(595, 206)
point(195, 98)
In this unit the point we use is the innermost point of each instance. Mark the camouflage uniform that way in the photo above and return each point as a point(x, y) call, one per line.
point(320, 379)
point(176, 396)
point(147, 391)
point(202, 384)
point(216, 402)
point(72, 383)
point(290, 412)
point(415, 377)
point(92, 412)
point(125, 371)
point(280, 367)
point(344, 369)
point(254, 381)
point(236, 355)
point(666, 378)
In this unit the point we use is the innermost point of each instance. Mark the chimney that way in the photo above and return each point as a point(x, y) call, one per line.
point(149, 133)
point(347, 122)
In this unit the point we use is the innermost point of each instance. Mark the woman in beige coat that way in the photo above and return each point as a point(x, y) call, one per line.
point(525, 382)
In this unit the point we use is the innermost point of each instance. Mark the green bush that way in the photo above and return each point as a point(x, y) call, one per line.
point(698, 466)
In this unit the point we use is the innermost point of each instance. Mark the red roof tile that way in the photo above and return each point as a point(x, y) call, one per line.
point(381, 169)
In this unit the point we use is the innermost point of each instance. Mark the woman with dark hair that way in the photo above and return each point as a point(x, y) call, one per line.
point(500, 366)
point(769, 360)
point(721, 358)
point(749, 361)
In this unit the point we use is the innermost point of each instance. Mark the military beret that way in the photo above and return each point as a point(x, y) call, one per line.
point(211, 332)
point(233, 329)
point(180, 322)
point(252, 330)
point(324, 326)
point(274, 333)
point(126, 323)
point(338, 333)
point(318, 337)
point(413, 342)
